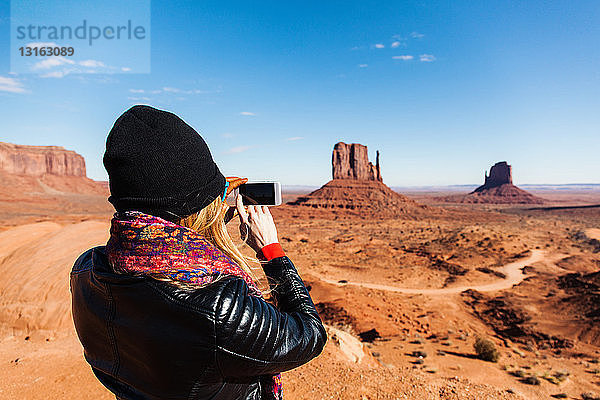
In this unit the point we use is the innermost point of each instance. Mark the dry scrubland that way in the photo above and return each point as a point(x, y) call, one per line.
point(387, 341)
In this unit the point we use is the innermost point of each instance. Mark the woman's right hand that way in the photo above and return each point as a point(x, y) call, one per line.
point(257, 228)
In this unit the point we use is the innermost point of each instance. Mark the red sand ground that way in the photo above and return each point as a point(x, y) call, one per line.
point(545, 324)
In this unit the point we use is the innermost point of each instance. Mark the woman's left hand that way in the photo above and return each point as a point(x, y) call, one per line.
point(234, 182)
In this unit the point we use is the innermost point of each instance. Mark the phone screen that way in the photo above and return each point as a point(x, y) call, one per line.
point(258, 194)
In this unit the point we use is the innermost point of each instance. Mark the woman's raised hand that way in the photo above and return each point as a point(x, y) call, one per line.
point(257, 227)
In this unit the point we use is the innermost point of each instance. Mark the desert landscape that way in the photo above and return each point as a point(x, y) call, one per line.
point(405, 282)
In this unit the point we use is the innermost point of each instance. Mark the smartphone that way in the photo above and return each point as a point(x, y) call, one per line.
point(260, 193)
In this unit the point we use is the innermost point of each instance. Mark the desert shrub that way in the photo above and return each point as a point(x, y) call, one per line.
point(532, 380)
point(590, 396)
point(517, 351)
point(486, 350)
point(560, 396)
point(519, 373)
point(561, 376)
point(419, 353)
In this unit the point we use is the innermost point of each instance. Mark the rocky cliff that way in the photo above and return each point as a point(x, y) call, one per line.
point(47, 182)
point(351, 161)
point(40, 160)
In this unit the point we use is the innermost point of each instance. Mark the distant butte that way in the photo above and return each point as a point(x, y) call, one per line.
point(497, 188)
point(500, 174)
point(357, 185)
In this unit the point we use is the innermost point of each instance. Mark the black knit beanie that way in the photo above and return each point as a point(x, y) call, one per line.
point(159, 165)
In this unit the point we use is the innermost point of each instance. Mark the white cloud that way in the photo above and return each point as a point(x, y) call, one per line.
point(125, 69)
point(173, 91)
point(238, 149)
point(52, 62)
point(379, 46)
point(11, 85)
point(59, 67)
point(138, 98)
point(403, 57)
point(427, 57)
point(416, 35)
point(294, 138)
point(396, 44)
point(55, 74)
point(227, 135)
point(248, 113)
point(363, 65)
point(91, 64)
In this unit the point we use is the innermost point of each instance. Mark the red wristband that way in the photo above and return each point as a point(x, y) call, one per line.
point(270, 252)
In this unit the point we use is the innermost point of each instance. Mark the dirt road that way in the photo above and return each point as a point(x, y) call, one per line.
point(513, 272)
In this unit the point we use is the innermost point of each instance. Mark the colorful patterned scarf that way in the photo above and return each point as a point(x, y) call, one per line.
point(144, 244)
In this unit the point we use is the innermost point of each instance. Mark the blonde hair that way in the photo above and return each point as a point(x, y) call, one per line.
point(210, 223)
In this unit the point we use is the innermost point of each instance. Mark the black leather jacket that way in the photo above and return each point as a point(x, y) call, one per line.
point(147, 339)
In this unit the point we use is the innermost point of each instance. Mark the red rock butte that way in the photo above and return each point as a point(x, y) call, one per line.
point(351, 161)
point(498, 188)
point(357, 185)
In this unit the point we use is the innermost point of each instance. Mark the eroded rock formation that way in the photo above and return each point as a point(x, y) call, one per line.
point(496, 189)
point(357, 186)
point(40, 160)
point(500, 174)
point(351, 161)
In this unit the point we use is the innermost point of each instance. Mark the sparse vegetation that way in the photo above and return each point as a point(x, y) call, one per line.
point(555, 378)
point(531, 380)
point(486, 350)
point(560, 396)
point(590, 396)
point(419, 354)
point(519, 373)
point(518, 352)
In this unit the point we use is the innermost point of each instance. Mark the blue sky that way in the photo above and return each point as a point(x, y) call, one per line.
point(443, 89)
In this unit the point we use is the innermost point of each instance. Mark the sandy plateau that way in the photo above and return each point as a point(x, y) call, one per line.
point(403, 296)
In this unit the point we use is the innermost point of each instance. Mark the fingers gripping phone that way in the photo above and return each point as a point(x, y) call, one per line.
point(260, 193)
